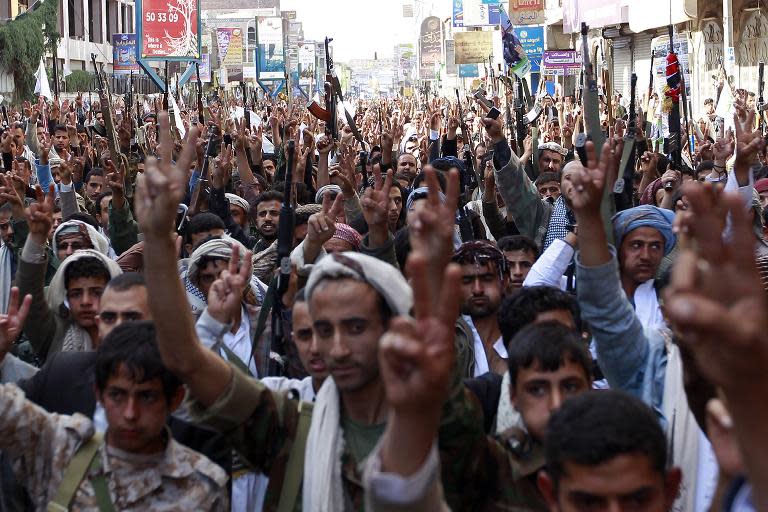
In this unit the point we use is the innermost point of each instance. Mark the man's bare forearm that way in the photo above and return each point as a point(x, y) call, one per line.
point(206, 374)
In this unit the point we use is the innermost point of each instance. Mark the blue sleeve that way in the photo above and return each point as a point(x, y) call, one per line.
point(193, 181)
point(623, 351)
point(44, 176)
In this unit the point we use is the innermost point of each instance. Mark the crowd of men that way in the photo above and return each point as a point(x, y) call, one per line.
point(249, 309)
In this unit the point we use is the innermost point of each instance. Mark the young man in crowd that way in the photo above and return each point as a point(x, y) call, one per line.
point(521, 254)
point(484, 281)
point(138, 393)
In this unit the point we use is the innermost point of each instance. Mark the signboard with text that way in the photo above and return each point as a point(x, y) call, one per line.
point(473, 47)
point(124, 54)
point(271, 55)
point(474, 13)
point(430, 47)
point(168, 29)
point(205, 68)
point(561, 63)
point(526, 12)
point(532, 41)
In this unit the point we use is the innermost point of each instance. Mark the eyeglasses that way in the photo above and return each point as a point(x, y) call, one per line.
point(110, 317)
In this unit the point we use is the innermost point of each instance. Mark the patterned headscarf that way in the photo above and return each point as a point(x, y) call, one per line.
point(348, 234)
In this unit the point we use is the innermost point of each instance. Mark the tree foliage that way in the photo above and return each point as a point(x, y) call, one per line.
point(23, 41)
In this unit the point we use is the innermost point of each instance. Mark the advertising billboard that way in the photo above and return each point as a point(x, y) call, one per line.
point(124, 54)
point(271, 61)
point(169, 29)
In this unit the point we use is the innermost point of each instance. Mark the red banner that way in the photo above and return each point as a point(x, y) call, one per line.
point(169, 29)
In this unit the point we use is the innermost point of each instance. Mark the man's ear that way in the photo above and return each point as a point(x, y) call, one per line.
point(176, 399)
point(672, 486)
point(547, 489)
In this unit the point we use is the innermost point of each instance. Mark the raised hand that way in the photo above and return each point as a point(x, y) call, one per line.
point(324, 145)
point(432, 230)
point(417, 356)
point(40, 214)
point(8, 194)
point(225, 297)
point(375, 202)
point(115, 177)
point(588, 182)
point(65, 173)
point(164, 183)
point(222, 167)
point(12, 322)
point(749, 143)
point(321, 226)
point(716, 300)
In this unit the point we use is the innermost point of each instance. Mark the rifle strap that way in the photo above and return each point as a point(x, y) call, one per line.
point(261, 322)
point(294, 472)
point(75, 472)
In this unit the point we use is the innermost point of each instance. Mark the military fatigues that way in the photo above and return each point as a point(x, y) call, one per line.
point(41, 444)
point(476, 471)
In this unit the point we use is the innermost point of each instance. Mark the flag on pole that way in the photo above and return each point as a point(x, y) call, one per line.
point(177, 116)
point(42, 87)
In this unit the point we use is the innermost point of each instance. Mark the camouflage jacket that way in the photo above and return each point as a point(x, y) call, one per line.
point(477, 472)
point(40, 446)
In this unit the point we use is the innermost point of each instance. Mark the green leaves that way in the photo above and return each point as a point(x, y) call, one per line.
point(23, 41)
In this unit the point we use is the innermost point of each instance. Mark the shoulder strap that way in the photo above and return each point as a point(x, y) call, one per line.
point(261, 323)
point(101, 489)
point(235, 360)
point(294, 471)
point(74, 473)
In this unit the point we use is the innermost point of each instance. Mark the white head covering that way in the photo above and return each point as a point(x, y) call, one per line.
point(99, 241)
point(238, 201)
point(383, 277)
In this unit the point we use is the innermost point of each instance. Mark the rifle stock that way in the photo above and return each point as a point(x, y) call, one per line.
point(200, 193)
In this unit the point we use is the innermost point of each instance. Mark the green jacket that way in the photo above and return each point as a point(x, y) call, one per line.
point(477, 472)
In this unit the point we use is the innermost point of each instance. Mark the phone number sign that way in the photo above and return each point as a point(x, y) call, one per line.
point(169, 29)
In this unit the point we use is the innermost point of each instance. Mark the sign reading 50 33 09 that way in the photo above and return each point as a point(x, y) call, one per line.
point(169, 28)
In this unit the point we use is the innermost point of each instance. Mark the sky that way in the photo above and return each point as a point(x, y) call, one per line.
point(360, 28)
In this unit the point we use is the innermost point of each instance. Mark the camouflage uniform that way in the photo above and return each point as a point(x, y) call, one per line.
point(477, 472)
point(40, 445)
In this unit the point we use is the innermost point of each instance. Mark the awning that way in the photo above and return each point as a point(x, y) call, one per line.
point(595, 13)
point(650, 14)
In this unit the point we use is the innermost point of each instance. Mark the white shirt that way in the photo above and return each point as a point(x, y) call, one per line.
point(481, 361)
point(240, 343)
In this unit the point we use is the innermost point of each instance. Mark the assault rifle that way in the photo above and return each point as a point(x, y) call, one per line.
point(623, 187)
point(285, 233)
point(119, 159)
point(200, 192)
point(333, 94)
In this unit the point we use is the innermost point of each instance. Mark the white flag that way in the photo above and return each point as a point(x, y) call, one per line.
point(42, 87)
point(177, 116)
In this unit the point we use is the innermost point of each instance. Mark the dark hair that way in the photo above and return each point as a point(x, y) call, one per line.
point(95, 171)
point(518, 243)
point(548, 344)
point(302, 194)
point(126, 281)
point(706, 165)
point(269, 195)
point(100, 198)
point(270, 156)
point(421, 179)
point(87, 266)
point(403, 200)
point(592, 428)
point(84, 217)
point(521, 308)
point(60, 128)
point(402, 246)
point(133, 344)
point(548, 176)
point(204, 221)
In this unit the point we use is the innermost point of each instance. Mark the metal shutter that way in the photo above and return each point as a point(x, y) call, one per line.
point(641, 52)
point(622, 65)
